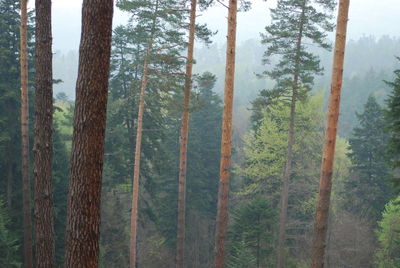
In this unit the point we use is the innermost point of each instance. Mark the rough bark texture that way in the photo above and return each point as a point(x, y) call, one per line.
point(26, 184)
point(322, 214)
point(82, 233)
point(136, 168)
point(226, 142)
point(43, 145)
point(289, 152)
point(180, 251)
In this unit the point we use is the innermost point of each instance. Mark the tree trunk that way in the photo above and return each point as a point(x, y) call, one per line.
point(289, 153)
point(136, 168)
point(180, 251)
point(322, 213)
point(26, 184)
point(43, 145)
point(82, 233)
point(226, 141)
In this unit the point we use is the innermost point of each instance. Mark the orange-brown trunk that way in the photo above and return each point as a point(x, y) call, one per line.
point(226, 140)
point(322, 213)
point(136, 168)
point(180, 251)
point(26, 184)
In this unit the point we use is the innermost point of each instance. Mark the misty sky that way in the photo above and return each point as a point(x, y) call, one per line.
point(367, 17)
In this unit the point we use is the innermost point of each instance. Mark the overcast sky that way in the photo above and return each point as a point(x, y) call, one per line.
point(367, 17)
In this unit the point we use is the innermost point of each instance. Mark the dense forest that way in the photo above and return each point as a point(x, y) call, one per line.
point(151, 146)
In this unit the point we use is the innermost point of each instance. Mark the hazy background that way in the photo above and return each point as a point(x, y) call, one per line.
point(367, 17)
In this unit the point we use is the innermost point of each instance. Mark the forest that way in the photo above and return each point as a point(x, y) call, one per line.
point(153, 146)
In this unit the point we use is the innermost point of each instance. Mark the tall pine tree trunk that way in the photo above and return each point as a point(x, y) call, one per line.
point(82, 233)
point(226, 141)
point(26, 184)
point(138, 152)
point(180, 251)
point(289, 152)
point(43, 145)
point(323, 202)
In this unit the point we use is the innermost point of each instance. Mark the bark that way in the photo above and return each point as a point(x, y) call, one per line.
point(226, 141)
point(43, 145)
point(26, 184)
point(136, 168)
point(180, 251)
point(289, 153)
point(323, 202)
point(82, 232)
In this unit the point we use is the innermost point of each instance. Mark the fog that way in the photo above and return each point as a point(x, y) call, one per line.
point(367, 17)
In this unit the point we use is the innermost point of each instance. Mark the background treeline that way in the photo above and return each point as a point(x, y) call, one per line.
point(364, 223)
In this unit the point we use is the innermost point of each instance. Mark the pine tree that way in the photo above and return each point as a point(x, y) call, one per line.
point(226, 140)
point(253, 227)
point(392, 114)
point(368, 189)
point(43, 144)
point(8, 240)
point(180, 250)
point(293, 22)
point(325, 188)
point(26, 184)
point(83, 224)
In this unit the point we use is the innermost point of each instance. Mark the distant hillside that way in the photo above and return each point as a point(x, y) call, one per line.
point(368, 62)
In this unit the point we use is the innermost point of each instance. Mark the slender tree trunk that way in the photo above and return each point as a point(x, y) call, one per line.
point(136, 168)
point(323, 202)
point(26, 184)
point(43, 145)
point(226, 141)
point(180, 251)
point(289, 153)
point(82, 233)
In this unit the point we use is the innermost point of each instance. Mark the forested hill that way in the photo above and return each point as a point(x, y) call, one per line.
point(369, 61)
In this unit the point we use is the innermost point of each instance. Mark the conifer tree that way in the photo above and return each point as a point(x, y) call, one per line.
point(43, 144)
point(226, 139)
point(26, 184)
point(294, 23)
point(83, 224)
point(328, 155)
point(392, 115)
point(368, 189)
point(180, 250)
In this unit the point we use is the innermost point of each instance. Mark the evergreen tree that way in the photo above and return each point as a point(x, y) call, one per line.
point(83, 222)
point(294, 23)
point(392, 115)
point(253, 231)
point(367, 190)
point(8, 241)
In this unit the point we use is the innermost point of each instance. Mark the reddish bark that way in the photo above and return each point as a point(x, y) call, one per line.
point(82, 233)
point(323, 202)
point(180, 251)
point(226, 141)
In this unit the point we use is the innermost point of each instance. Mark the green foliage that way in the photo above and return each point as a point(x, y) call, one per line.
point(388, 233)
point(265, 149)
point(367, 187)
point(251, 236)
point(295, 23)
point(8, 241)
point(392, 116)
